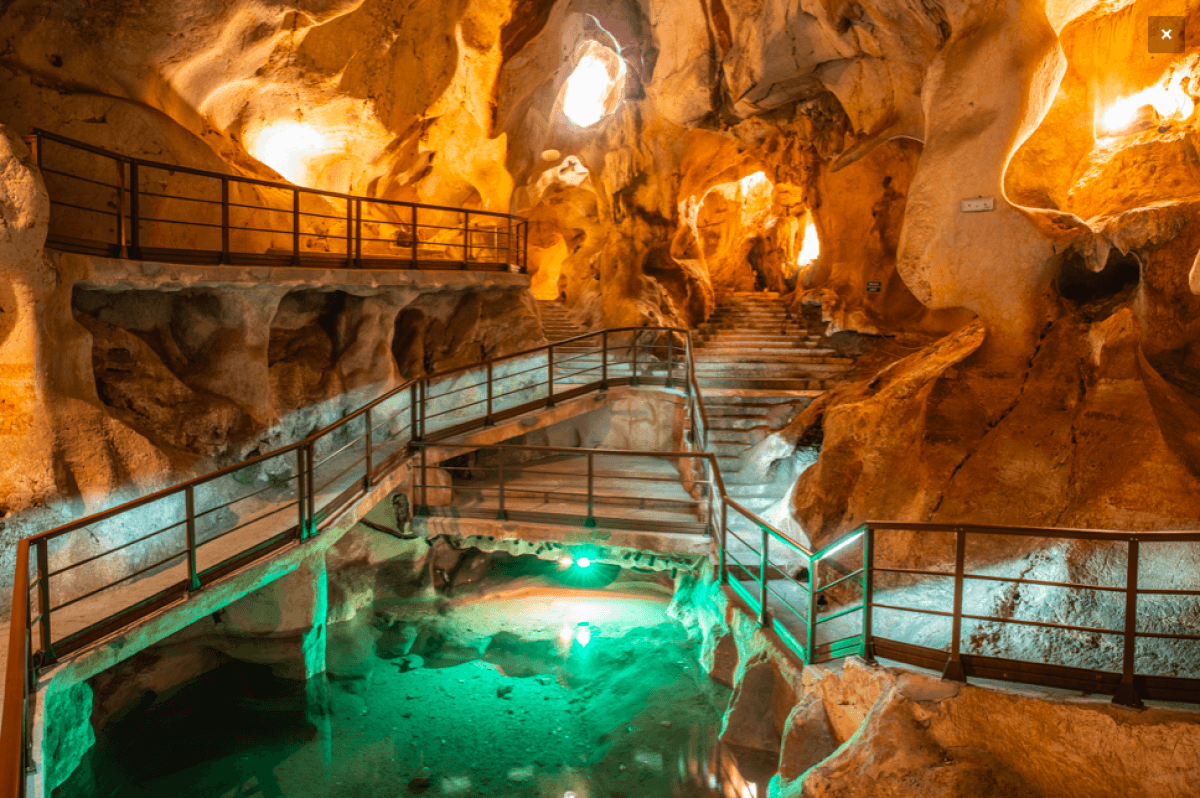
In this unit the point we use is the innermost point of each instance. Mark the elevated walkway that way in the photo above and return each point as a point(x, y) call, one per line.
point(188, 546)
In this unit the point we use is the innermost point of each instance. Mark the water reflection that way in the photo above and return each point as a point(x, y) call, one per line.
point(624, 716)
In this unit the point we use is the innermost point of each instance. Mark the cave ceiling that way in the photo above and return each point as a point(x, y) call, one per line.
point(669, 152)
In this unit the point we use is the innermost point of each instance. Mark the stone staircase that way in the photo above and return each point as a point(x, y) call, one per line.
point(753, 342)
point(556, 321)
point(758, 367)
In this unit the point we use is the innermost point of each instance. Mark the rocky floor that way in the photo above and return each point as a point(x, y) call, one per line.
point(527, 693)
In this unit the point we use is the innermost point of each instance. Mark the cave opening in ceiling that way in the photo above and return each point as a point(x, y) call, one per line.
point(289, 148)
point(1168, 99)
point(594, 87)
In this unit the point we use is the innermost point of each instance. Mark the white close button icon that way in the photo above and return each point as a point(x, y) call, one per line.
point(1166, 34)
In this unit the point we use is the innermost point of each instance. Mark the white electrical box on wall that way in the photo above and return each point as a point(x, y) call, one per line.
point(977, 205)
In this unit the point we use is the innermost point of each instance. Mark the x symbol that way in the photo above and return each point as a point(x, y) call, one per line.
point(1166, 34)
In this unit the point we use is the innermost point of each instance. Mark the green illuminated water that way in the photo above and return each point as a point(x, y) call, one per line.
point(615, 705)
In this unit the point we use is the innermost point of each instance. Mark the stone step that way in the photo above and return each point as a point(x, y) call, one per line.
point(742, 491)
point(763, 383)
point(741, 437)
point(747, 334)
point(759, 332)
point(742, 370)
point(800, 358)
point(743, 423)
point(783, 348)
point(724, 449)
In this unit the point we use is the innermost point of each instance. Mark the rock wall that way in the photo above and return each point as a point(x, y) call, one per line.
point(855, 728)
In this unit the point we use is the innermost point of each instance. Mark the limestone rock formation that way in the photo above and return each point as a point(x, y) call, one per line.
point(668, 153)
point(55, 437)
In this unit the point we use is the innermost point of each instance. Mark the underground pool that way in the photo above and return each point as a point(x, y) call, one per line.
point(544, 678)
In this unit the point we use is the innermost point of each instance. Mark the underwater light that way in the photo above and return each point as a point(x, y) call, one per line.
point(583, 562)
point(566, 562)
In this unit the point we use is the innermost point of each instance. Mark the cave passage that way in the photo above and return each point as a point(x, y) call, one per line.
point(540, 686)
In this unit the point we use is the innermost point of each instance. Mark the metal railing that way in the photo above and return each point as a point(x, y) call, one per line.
point(1111, 585)
point(108, 204)
point(823, 604)
point(172, 543)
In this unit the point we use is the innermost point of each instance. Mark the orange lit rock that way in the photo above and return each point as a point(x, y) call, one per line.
point(55, 437)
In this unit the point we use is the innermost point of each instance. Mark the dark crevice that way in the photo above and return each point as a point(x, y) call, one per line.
point(1096, 295)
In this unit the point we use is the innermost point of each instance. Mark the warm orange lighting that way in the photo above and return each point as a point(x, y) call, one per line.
point(811, 250)
point(1168, 98)
point(288, 148)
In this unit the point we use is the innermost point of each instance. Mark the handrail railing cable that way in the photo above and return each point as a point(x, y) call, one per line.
point(779, 578)
point(395, 236)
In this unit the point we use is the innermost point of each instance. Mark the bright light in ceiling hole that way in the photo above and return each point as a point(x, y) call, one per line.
point(811, 249)
point(1168, 98)
point(287, 147)
point(587, 92)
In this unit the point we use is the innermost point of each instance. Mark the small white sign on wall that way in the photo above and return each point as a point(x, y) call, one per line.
point(977, 205)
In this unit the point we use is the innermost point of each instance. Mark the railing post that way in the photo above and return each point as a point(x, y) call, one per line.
point(424, 509)
point(135, 213)
point(722, 541)
point(367, 442)
point(501, 515)
point(550, 375)
point(358, 233)
point(43, 571)
point(525, 248)
point(810, 637)
point(413, 403)
point(634, 378)
point(189, 500)
point(1127, 692)
point(301, 501)
point(122, 230)
point(424, 410)
point(295, 227)
point(466, 239)
point(764, 564)
point(687, 367)
point(310, 490)
point(349, 233)
point(954, 668)
point(487, 419)
point(867, 650)
point(225, 220)
point(670, 360)
point(590, 522)
point(604, 360)
point(509, 249)
point(415, 239)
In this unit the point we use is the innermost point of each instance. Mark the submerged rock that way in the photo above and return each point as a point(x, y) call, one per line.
point(410, 662)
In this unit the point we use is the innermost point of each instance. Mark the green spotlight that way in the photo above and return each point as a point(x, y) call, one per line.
point(583, 562)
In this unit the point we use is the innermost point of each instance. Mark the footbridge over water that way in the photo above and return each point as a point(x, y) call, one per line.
point(96, 590)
